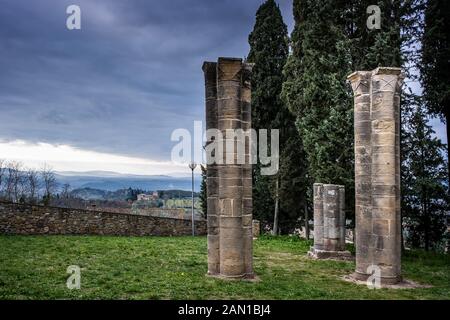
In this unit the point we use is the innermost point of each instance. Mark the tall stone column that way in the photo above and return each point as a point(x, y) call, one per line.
point(361, 84)
point(232, 262)
point(329, 222)
point(247, 181)
point(212, 175)
point(230, 230)
point(377, 170)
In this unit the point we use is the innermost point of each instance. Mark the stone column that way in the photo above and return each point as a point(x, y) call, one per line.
point(247, 181)
point(256, 229)
point(230, 230)
point(212, 176)
point(232, 262)
point(361, 82)
point(342, 221)
point(377, 170)
point(318, 216)
point(331, 218)
point(329, 222)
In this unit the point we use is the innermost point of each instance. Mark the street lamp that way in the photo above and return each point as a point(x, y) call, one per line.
point(192, 166)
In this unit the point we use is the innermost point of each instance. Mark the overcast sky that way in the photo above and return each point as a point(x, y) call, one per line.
point(108, 96)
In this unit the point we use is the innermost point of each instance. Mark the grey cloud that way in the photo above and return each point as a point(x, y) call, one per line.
point(125, 81)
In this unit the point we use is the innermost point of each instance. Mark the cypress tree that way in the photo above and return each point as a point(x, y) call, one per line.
point(316, 91)
point(424, 174)
point(269, 50)
point(435, 66)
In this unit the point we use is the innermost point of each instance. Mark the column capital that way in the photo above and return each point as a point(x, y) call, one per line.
point(387, 71)
point(390, 78)
point(360, 81)
point(229, 69)
point(209, 66)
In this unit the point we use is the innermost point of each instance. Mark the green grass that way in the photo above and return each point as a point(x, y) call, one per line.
point(34, 267)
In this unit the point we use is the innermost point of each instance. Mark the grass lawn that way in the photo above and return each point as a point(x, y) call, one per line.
point(34, 267)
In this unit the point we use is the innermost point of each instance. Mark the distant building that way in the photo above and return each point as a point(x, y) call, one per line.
point(148, 197)
point(144, 197)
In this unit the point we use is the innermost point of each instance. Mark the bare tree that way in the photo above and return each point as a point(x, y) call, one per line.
point(49, 181)
point(65, 193)
point(32, 183)
point(2, 174)
point(14, 181)
point(20, 193)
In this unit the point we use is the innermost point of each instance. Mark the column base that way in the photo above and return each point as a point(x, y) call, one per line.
point(246, 277)
point(331, 255)
point(385, 283)
point(383, 280)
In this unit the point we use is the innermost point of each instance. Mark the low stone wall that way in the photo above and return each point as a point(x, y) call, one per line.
point(178, 213)
point(160, 212)
point(35, 220)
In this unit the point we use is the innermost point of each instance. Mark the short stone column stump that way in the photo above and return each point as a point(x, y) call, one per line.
point(329, 223)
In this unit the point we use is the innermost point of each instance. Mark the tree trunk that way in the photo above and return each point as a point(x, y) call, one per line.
point(427, 226)
point(306, 221)
point(402, 238)
point(275, 216)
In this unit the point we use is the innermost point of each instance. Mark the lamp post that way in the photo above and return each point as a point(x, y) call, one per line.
point(192, 166)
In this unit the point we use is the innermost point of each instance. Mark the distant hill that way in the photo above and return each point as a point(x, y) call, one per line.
point(122, 194)
point(112, 181)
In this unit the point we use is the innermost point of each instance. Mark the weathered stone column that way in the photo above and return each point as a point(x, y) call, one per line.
point(247, 181)
point(232, 263)
point(256, 226)
point(361, 82)
point(329, 222)
point(212, 176)
point(318, 216)
point(342, 221)
point(331, 218)
point(230, 238)
point(377, 169)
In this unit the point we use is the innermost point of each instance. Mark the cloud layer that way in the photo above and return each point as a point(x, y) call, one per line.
point(123, 82)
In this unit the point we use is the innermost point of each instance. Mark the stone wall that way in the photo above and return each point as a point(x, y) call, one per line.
point(34, 220)
point(163, 213)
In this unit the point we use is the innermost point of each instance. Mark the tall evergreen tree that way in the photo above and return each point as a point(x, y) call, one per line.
point(424, 174)
point(316, 91)
point(435, 66)
point(378, 47)
point(268, 51)
point(276, 197)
